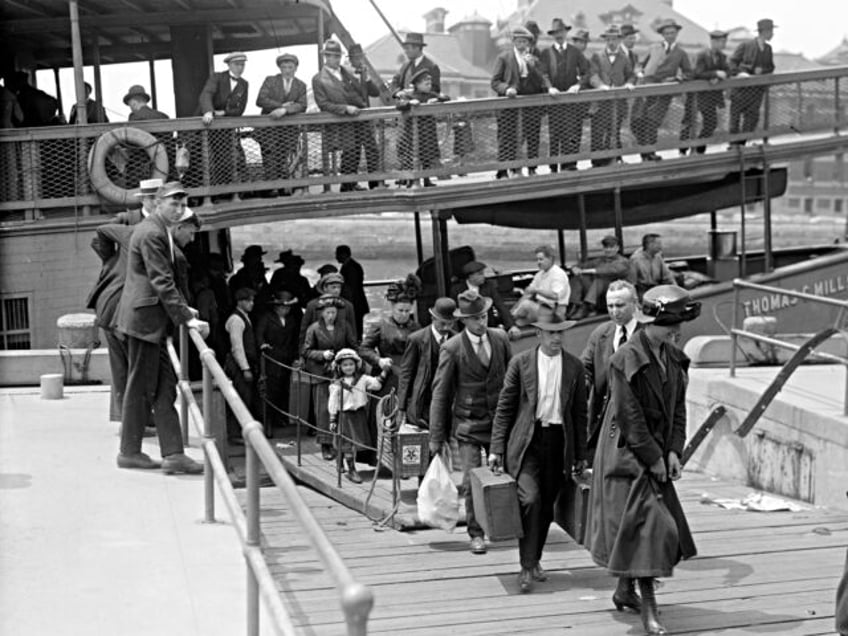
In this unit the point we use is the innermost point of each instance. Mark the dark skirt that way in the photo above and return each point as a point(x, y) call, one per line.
point(353, 426)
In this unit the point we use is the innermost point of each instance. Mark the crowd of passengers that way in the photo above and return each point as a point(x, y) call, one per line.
point(523, 69)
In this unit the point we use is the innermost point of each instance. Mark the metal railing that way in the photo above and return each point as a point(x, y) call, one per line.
point(736, 333)
point(257, 156)
point(356, 599)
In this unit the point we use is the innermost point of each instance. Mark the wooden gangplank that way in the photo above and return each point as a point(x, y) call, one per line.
point(756, 573)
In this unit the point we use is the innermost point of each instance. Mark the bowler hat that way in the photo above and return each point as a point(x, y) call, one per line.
point(328, 300)
point(558, 25)
point(287, 57)
point(580, 34)
point(331, 47)
point(628, 29)
point(171, 189)
point(612, 32)
point(471, 303)
point(522, 32)
point(472, 268)
point(355, 49)
point(236, 56)
point(148, 187)
point(253, 251)
point(414, 38)
point(666, 23)
point(284, 257)
point(283, 297)
point(549, 321)
point(244, 293)
point(420, 74)
point(443, 309)
point(610, 240)
point(329, 279)
point(718, 35)
point(765, 24)
point(666, 305)
point(137, 90)
point(533, 27)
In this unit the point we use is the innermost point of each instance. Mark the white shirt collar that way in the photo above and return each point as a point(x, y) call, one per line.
point(476, 339)
point(436, 334)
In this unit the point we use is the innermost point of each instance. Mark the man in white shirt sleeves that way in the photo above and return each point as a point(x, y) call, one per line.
point(549, 287)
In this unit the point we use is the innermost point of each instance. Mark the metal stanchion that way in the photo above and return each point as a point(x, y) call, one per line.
point(252, 470)
point(184, 377)
point(208, 475)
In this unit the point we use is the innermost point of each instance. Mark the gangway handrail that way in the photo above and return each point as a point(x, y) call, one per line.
point(356, 599)
point(801, 351)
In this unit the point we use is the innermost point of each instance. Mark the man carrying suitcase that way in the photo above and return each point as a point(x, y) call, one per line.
point(539, 433)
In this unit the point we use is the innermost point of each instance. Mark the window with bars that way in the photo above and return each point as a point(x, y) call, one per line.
point(15, 332)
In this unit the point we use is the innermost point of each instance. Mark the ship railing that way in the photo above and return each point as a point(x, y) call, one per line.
point(839, 316)
point(356, 599)
point(81, 167)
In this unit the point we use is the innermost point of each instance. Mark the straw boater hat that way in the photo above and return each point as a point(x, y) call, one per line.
point(148, 187)
point(283, 297)
point(331, 47)
point(549, 321)
point(666, 305)
point(443, 309)
point(136, 90)
point(612, 32)
point(558, 25)
point(416, 39)
point(287, 57)
point(236, 56)
point(718, 35)
point(471, 303)
point(666, 23)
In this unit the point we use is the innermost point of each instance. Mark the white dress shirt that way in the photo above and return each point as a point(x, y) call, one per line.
point(522, 62)
point(548, 393)
point(480, 341)
point(630, 327)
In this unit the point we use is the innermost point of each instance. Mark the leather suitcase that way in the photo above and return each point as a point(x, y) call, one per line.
point(496, 504)
point(572, 508)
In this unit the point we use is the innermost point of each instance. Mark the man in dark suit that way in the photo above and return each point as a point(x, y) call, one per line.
point(565, 70)
point(666, 62)
point(711, 65)
point(629, 35)
point(282, 94)
point(137, 99)
point(609, 68)
point(354, 285)
point(225, 95)
point(276, 334)
point(539, 434)
point(753, 57)
point(147, 193)
point(517, 72)
point(473, 277)
point(94, 111)
point(337, 90)
point(150, 306)
point(465, 394)
point(603, 342)
point(413, 48)
point(420, 358)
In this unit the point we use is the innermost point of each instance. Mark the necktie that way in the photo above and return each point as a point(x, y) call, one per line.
point(623, 338)
point(483, 354)
point(286, 86)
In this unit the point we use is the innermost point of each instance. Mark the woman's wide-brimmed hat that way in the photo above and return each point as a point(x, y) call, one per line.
point(471, 303)
point(404, 291)
point(443, 309)
point(329, 279)
point(328, 300)
point(666, 305)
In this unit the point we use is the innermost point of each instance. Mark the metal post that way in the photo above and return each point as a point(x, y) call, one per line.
point(767, 248)
point(95, 57)
point(619, 220)
point(252, 539)
point(151, 65)
point(263, 382)
point(744, 197)
point(184, 377)
point(337, 442)
point(766, 114)
point(208, 475)
point(419, 245)
point(733, 339)
point(297, 412)
point(440, 253)
point(320, 38)
point(58, 90)
point(561, 246)
point(584, 243)
point(76, 49)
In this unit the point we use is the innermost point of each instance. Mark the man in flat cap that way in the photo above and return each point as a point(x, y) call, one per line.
point(281, 94)
point(753, 57)
point(666, 62)
point(225, 95)
point(564, 70)
point(517, 72)
point(710, 64)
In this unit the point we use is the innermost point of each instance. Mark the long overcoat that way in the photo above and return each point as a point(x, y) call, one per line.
point(415, 385)
point(636, 526)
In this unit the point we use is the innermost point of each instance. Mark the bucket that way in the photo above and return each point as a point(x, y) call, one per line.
point(722, 243)
point(78, 331)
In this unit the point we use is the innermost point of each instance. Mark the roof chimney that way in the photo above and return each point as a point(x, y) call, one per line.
point(435, 20)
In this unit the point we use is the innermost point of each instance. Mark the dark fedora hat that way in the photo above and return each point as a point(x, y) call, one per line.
point(253, 251)
point(765, 24)
point(548, 320)
point(443, 308)
point(666, 305)
point(244, 293)
point(355, 49)
point(471, 303)
point(580, 34)
point(628, 29)
point(558, 25)
point(283, 297)
point(137, 90)
point(472, 267)
point(667, 23)
point(533, 27)
point(287, 57)
point(416, 39)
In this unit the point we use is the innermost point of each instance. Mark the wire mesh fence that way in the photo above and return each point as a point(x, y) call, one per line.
point(258, 156)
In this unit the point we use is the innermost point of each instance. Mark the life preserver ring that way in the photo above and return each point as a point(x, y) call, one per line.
point(106, 143)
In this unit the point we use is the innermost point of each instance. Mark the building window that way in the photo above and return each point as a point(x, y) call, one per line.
point(14, 323)
point(837, 205)
point(822, 203)
point(794, 202)
point(808, 205)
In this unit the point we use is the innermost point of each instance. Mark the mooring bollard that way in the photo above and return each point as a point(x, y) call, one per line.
point(52, 386)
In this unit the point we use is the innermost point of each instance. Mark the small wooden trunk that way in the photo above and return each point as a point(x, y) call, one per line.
point(407, 453)
point(571, 510)
point(496, 504)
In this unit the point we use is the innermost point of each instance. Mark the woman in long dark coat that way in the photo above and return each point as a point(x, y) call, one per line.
point(637, 528)
point(323, 339)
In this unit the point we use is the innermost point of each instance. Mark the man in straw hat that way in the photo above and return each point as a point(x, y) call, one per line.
point(413, 48)
point(465, 393)
point(637, 528)
point(137, 99)
point(147, 194)
point(666, 62)
point(753, 57)
point(151, 305)
point(280, 95)
point(610, 68)
point(564, 70)
point(539, 434)
point(517, 72)
point(710, 64)
point(419, 362)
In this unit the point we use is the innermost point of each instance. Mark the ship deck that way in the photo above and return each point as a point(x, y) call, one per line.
point(87, 548)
